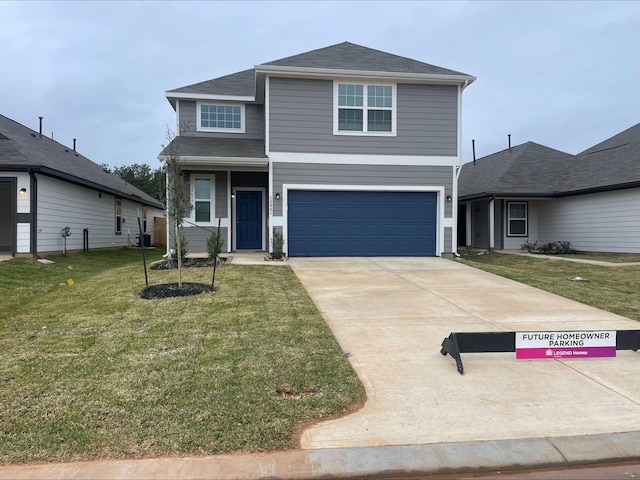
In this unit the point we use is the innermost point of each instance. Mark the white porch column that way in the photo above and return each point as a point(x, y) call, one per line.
point(468, 221)
point(492, 240)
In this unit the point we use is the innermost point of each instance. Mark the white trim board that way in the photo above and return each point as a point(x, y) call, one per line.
point(361, 159)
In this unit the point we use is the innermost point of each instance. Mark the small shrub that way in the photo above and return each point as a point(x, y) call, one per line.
point(278, 245)
point(551, 248)
point(214, 245)
point(184, 248)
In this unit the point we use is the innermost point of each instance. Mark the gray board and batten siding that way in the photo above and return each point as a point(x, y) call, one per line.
point(254, 121)
point(337, 174)
point(301, 120)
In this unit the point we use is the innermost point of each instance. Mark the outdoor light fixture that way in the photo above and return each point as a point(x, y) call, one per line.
point(23, 191)
point(233, 195)
point(448, 198)
point(277, 196)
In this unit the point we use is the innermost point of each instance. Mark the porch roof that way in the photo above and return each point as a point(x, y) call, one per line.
point(203, 148)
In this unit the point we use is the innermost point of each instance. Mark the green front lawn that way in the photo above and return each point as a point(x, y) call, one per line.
point(615, 289)
point(92, 371)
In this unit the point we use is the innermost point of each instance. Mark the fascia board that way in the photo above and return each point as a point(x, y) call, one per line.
point(235, 161)
point(207, 96)
point(332, 73)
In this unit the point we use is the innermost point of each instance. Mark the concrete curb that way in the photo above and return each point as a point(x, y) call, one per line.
point(360, 462)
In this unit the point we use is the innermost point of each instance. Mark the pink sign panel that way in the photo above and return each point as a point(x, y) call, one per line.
point(577, 344)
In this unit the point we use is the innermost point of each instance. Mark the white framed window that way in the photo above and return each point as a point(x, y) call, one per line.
point(517, 219)
point(220, 117)
point(364, 109)
point(202, 195)
point(118, 215)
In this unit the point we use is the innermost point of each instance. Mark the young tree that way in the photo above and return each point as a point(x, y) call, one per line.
point(178, 198)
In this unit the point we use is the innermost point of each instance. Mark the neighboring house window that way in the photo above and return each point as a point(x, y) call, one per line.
point(118, 215)
point(220, 118)
point(364, 109)
point(517, 219)
point(144, 219)
point(202, 194)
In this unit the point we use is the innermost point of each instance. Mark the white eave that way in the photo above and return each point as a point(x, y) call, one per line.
point(333, 73)
point(171, 96)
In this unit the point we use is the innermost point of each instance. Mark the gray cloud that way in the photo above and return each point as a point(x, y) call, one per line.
point(558, 73)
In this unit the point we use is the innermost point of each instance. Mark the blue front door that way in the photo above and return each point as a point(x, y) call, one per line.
point(249, 220)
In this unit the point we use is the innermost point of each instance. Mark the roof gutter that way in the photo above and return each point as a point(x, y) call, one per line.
point(341, 72)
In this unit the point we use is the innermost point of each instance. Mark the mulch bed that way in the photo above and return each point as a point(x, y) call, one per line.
point(168, 290)
point(186, 263)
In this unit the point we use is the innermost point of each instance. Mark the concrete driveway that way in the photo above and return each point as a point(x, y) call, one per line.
point(391, 315)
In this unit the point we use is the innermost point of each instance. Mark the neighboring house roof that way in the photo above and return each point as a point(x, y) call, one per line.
point(344, 57)
point(535, 170)
point(23, 149)
point(189, 146)
point(612, 163)
point(529, 169)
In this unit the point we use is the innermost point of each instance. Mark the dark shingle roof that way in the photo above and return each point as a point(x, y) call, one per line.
point(236, 84)
point(614, 162)
point(527, 169)
point(343, 56)
point(22, 148)
point(349, 56)
point(188, 146)
point(532, 169)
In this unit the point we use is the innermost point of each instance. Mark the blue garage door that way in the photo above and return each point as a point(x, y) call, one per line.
point(348, 223)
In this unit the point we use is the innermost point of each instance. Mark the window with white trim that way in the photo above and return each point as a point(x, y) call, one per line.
point(220, 117)
point(517, 219)
point(202, 193)
point(118, 215)
point(361, 108)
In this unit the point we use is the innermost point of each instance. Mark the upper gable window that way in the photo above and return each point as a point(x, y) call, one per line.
point(364, 109)
point(220, 118)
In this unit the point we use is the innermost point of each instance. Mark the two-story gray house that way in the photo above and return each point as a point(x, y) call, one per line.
point(348, 151)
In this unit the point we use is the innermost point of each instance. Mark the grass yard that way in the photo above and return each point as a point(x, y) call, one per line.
point(92, 371)
point(615, 289)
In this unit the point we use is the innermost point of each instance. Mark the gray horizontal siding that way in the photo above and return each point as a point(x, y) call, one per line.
point(254, 122)
point(197, 238)
point(332, 174)
point(301, 120)
point(599, 222)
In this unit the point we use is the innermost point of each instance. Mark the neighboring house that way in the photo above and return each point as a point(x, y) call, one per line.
point(532, 193)
point(46, 187)
point(345, 150)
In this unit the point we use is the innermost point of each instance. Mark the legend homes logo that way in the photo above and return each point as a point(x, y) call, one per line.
point(577, 344)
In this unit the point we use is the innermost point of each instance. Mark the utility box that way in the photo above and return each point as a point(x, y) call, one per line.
point(146, 238)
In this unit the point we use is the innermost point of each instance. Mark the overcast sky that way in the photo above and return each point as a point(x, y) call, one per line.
point(563, 74)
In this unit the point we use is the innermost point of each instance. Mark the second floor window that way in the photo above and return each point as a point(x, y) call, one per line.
point(221, 118)
point(364, 108)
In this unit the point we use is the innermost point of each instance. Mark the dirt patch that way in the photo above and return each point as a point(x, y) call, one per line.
point(168, 290)
point(353, 408)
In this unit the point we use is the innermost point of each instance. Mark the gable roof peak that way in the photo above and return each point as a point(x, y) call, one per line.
point(347, 56)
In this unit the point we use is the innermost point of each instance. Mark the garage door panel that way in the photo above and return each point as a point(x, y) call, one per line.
point(361, 223)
